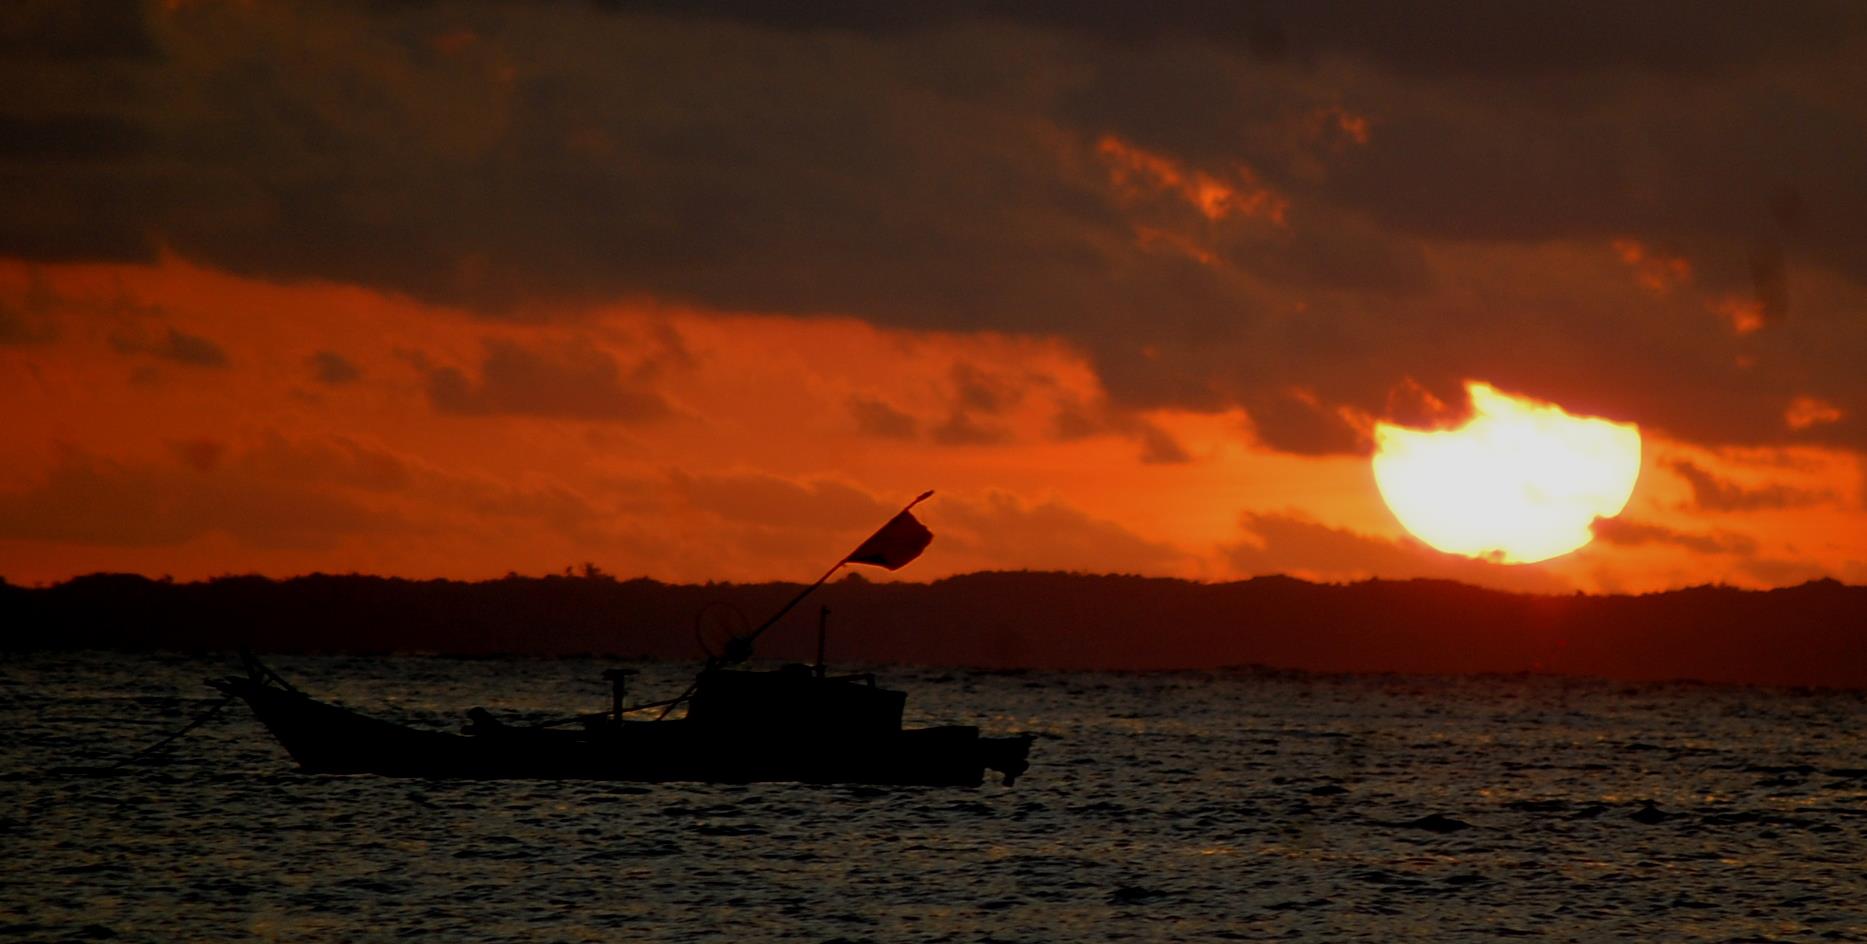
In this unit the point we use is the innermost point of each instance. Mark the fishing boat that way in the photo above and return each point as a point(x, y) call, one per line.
point(794, 723)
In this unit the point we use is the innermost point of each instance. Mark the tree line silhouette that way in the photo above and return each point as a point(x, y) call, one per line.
point(1812, 634)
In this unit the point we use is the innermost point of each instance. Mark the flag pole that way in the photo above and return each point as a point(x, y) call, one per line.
point(807, 591)
point(788, 607)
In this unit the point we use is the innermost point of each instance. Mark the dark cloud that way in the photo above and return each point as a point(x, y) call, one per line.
point(570, 381)
point(40, 312)
point(337, 460)
point(90, 499)
point(63, 138)
point(76, 30)
point(1630, 533)
point(333, 369)
point(979, 397)
point(1287, 543)
point(18, 326)
point(1511, 38)
point(1290, 422)
point(1076, 420)
point(173, 345)
point(1158, 447)
point(746, 516)
point(1710, 493)
point(1004, 531)
point(962, 428)
point(201, 455)
point(779, 502)
point(1517, 38)
point(876, 418)
point(1769, 274)
point(979, 391)
point(1441, 173)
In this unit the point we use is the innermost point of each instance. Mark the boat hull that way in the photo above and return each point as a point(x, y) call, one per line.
point(329, 739)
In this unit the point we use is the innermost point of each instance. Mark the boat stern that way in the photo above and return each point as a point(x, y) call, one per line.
point(1010, 756)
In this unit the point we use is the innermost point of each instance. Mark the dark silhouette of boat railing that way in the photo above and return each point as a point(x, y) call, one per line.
point(618, 679)
point(796, 723)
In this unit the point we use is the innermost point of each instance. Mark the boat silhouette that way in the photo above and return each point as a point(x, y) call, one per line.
point(794, 723)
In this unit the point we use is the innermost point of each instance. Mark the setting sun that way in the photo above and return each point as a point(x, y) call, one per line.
point(1519, 482)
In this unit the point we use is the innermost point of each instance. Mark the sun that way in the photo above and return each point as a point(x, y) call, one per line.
point(1520, 482)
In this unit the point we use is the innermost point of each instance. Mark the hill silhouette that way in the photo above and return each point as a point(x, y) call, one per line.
point(1813, 634)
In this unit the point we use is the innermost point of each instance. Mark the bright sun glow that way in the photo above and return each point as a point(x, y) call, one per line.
point(1520, 482)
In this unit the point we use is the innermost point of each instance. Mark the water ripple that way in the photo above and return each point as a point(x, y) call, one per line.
point(1182, 806)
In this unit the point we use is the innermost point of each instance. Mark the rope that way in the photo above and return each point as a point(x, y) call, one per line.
point(678, 699)
point(199, 720)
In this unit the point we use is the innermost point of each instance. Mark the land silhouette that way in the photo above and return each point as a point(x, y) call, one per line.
point(1814, 634)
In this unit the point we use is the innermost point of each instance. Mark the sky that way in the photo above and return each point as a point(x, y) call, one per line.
point(706, 291)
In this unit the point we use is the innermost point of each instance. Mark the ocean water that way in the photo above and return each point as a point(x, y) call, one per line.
point(1176, 806)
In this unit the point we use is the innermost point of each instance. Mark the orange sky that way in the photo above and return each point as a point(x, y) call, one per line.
point(691, 445)
point(706, 293)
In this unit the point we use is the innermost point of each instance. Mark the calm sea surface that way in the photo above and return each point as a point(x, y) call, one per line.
point(1184, 806)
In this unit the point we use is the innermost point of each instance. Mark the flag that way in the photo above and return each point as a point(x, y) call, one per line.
point(896, 543)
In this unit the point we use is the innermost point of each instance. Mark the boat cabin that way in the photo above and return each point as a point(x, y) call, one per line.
point(795, 698)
